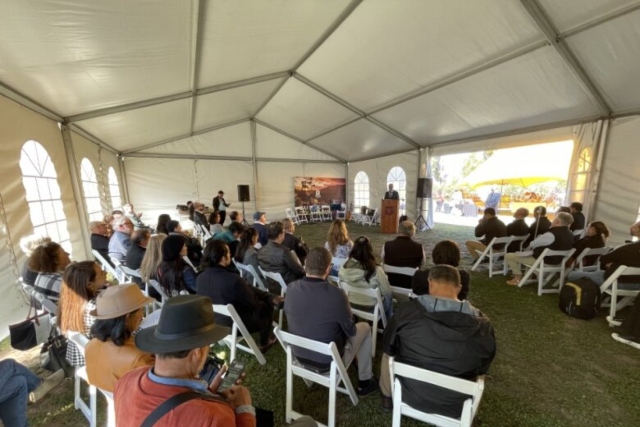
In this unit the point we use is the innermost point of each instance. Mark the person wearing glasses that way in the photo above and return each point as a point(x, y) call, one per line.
point(120, 242)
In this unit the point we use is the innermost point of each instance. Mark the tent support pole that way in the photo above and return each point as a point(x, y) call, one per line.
point(254, 140)
point(78, 193)
point(123, 177)
point(603, 145)
point(348, 182)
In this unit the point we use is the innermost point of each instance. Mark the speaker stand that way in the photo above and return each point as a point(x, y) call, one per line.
point(421, 223)
point(244, 217)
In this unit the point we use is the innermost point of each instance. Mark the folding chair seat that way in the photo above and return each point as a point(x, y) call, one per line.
point(579, 263)
point(292, 216)
point(336, 374)
point(277, 277)
point(494, 255)
point(375, 315)
point(106, 266)
point(620, 294)
point(473, 389)
point(546, 271)
point(248, 272)
point(233, 341)
point(406, 271)
point(89, 411)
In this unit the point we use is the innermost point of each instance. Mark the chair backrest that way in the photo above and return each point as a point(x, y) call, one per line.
point(277, 277)
point(622, 270)
point(129, 272)
point(591, 252)
point(247, 268)
point(520, 239)
point(104, 263)
point(80, 340)
point(498, 241)
point(407, 271)
point(288, 339)
point(188, 261)
point(373, 293)
point(157, 287)
point(578, 232)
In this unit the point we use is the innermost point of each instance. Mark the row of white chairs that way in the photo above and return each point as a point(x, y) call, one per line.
point(366, 219)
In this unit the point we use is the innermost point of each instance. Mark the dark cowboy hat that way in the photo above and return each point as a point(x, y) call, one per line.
point(186, 322)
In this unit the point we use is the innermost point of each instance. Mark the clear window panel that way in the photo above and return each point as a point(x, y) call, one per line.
point(36, 213)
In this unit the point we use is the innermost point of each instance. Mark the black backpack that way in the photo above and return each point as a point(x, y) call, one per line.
point(580, 299)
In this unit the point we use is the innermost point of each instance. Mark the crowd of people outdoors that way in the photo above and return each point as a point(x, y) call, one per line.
point(437, 328)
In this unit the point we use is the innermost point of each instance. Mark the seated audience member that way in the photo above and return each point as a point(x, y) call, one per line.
point(260, 224)
point(231, 236)
point(111, 219)
point(27, 276)
point(403, 251)
point(440, 333)
point(627, 254)
point(133, 216)
point(194, 249)
point(540, 226)
point(246, 252)
point(578, 216)
point(175, 276)
point(50, 261)
point(361, 271)
point(275, 257)
point(196, 214)
point(445, 252)
point(338, 242)
point(120, 242)
point(214, 223)
point(152, 258)
point(225, 286)
point(565, 209)
point(518, 227)
point(180, 342)
point(18, 385)
point(596, 236)
point(135, 255)
point(319, 311)
point(558, 238)
point(292, 242)
point(489, 226)
point(161, 226)
point(111, 353)
point(236, 216)
point(80, 286)
point(100, 238)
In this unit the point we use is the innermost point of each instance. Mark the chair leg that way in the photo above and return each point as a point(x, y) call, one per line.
point(331, 422)
point(93, 406)
point(289, 398)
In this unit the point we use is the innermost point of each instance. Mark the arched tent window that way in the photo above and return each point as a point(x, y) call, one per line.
point(398, 178)
point(581, 177)
point(361, 189)
point(91, 191)
point(43, 194)
point(114, 189)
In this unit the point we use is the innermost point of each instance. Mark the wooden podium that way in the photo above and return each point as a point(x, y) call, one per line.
point(389, 216)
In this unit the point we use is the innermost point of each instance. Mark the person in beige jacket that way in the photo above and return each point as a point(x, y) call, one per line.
point(112, 351)
point(360, 270)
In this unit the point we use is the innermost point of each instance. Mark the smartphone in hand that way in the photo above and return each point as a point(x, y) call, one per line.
point(233, 374)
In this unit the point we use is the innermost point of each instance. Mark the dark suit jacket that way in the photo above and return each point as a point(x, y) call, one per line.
point(403, 251)
point(393, 195)
point(543, 226)
point(516, 228)
point(578, 221)
point(491, 228)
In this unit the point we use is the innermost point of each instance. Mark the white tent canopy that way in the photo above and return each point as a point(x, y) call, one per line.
point(179, 99)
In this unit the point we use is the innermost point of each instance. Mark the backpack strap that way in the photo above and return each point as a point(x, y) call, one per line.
point(174, 402)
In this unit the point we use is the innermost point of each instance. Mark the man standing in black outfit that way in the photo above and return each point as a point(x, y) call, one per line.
point(221, 206)
point(518, 228)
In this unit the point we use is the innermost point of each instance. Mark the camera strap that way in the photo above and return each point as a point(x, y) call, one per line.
point(174, 402)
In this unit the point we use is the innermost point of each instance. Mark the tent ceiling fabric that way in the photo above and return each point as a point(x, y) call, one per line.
point(429, 72)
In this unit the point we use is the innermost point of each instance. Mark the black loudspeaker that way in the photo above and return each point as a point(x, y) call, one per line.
point(243, 193)
point(425, 186)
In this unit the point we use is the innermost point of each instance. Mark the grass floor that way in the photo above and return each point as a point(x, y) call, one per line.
point(550, 370)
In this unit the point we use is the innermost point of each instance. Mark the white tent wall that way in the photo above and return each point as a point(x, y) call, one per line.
point(17, 126)
point(618, 196)
point(377, 171)
point(215, 175)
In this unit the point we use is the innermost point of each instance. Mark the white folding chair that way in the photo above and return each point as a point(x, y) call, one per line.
point(342, 213)
point(277, 277)
point(128, 274)
point(248, 272)
point(155, 285)
point(611, 288)
point(233, 341)
point(407, 271)
point(89, 411)
point(337, 263)
point(104, 264)
point(301, 213)
point(292, 216)
point(579, 233)
point(375, 315)
point(336, 373)
point(369, 219)
point(494, 255)
point(111, 407)
point(546, 271)
point(316, 213)
point(326, 212)
point(521, 239)
point(119, 272)
point(590, 252)
point(473, 389)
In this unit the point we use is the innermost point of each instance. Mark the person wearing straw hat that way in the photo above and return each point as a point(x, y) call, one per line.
point(181, 341)
point(112, 351)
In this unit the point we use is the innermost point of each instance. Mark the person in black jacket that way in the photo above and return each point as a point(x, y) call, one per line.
point(540, 226)
point(225, 286)
point(292, 242)
point(444, 252)
point(578, 216)
point(596, 236)
point(100, 239)
point(440, 333)
point(488, 227)
point(518, 228)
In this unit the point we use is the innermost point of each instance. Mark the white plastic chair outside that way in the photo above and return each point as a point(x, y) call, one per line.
point(407, 271)
point(104, 263)
point(590, 252)
point(326, 212)
point(89, 411)
point(233, 341)
point(301, 213)
point(494, 255)
point(336, 374)
point(374, 316)
point(283, 287)
point(292, 216)
point(474, 389)
point(253, 274)
point(546, 272)
point(369, 219)
point(610, 287)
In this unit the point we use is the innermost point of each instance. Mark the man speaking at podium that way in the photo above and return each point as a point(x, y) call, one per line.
point(391, 194)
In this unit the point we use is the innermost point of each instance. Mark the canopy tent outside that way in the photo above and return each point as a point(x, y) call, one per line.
point(524, 166)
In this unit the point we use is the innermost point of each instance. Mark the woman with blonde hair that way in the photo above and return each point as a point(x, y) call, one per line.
point(152, 258)
point(338, 242)
point(80, 286)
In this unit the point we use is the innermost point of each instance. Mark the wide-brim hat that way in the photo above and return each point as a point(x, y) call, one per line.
point(116, 301)
point(186, 322)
